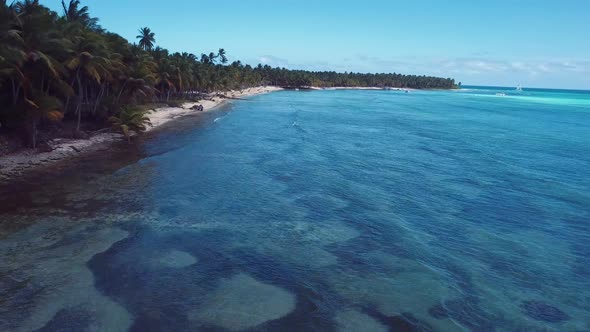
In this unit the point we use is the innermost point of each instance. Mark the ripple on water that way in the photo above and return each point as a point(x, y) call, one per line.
point(407, 287)
point(242, 302)
point(505, 282)
point(456, 213)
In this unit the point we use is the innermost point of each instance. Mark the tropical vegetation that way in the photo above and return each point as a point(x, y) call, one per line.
point(64, 67)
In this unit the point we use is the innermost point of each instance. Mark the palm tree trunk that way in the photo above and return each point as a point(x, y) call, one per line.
point(34, 133)
point(67, 104)
point(87, 93)
point(15, 91)
point(122, 89)
point(68, 98)
point(80, 97)
point(102, 86)
point(79, 111)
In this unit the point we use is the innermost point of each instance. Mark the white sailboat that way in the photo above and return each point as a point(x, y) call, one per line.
point(519, 88)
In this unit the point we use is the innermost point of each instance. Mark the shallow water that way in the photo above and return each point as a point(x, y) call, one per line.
point(323, 210)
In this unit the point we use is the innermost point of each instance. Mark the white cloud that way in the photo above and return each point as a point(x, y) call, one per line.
point(523, 67)
point(273, 61)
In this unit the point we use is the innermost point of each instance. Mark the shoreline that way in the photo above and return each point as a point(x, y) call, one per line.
point(360, 88)
point(18, 164)
point(166, 114)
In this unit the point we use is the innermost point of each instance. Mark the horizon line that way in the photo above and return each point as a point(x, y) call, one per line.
point(524, 87)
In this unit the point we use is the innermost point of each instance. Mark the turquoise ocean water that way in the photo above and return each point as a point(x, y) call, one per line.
point(463, 210)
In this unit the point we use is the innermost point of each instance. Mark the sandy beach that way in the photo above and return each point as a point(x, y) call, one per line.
point(19, 163)
point(166, 114)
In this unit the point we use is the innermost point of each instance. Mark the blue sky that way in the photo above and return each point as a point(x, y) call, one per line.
point(494, 42)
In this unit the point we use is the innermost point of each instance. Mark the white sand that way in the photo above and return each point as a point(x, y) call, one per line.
point(19, 163)
point(163, 115)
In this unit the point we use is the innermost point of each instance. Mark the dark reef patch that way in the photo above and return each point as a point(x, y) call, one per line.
point(438, 312)
point(544, 312)
point(405, 322)
point(66, 320)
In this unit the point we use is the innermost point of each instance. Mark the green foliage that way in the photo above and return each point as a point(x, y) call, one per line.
point(146, 38)
point(130, 118)
point(39, 107)
point(73, 13)
point(91, 72)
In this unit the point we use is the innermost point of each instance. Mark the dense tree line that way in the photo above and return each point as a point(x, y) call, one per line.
point(56, 65)
point(301, 78)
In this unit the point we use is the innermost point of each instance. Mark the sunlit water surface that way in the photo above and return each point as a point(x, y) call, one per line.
point(325, 211)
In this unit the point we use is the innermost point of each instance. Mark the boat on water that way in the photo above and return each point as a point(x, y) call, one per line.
point(519, 88)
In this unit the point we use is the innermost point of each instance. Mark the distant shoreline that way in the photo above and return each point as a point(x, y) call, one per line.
point(20, 163)
point(319, 88)
point(361, 88)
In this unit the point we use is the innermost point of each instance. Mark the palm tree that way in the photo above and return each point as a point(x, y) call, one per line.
point(38, 81)
point(28, 7)
point(130, 118)
point(41, 107)
point(89, 68)
point(212, 58)
point(221, 55)
point(72, 13)
point(146, 38)
point(46, 60)
point(11, 54)
point(164, 79)
point(205, 59)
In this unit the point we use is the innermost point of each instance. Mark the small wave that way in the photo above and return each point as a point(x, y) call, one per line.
point(298, 127)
